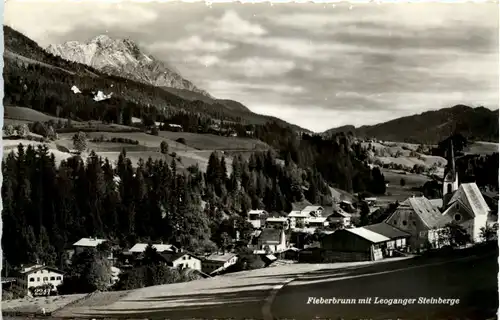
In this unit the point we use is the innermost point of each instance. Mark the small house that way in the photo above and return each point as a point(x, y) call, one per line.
point(339, 218)
point(281, 222)
point(298, 219)
point(314, 211)
point(357, 244)
point(270, 239)
point(398, 238)
point(317, 222)
point(40, 280)
point(87, 243)
point(255, 218)
point(181, 260)
point(218, 262)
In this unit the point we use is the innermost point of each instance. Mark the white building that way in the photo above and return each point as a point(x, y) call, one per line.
point(255, 218)
point(277, 221)
point(272, 239)
point(298, 218)
point(317, 222)
point(468, 208)
point(181, 260)
point(87, 243)
point(314, 211)
point(35, 277)
point(217, 262)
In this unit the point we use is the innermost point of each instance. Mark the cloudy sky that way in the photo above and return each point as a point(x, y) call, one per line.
point(315, 65)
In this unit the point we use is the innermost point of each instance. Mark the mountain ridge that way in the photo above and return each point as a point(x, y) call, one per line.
point(432, 126)
point(53, 77)
point(123, 57)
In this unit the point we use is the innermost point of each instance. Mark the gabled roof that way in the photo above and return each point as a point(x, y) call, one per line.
point(312, 208)
point(257, 212)
point(298, 214)
point(89, 242)
point(369, 235)
point(317, 219)
point(270, 235)
point(276, 219)
point(141, 247)
point(423, 208)
point(470, 195)
point(172, 256)
point(221, 257)
point(36, 267)
point(387, 230)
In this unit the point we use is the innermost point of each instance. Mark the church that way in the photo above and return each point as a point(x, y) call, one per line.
point(463, 204)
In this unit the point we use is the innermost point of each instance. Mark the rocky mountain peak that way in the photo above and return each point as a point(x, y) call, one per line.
point(123, 57)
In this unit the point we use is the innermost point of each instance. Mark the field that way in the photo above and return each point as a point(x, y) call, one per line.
point(395, 192)
point(482, 148)
point(195, 151)
point(26, 115)
point(403, 154)
point(214, 142)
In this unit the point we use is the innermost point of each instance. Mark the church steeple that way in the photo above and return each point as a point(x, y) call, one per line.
point(450, 179)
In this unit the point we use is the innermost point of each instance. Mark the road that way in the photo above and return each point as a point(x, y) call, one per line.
point(472, 280)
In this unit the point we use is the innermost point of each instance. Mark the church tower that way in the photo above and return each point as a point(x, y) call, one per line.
point(450, 181)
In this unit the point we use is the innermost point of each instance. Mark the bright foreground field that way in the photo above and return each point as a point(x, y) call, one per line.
point(285, 292)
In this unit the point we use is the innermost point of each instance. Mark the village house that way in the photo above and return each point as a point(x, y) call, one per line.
point(398, 238)
point(39, 279)
point(181, 260)
point(339, 218)
point(271, 239)
point(298, 219)
point(418, 217)
point(255, 217)
point(280, 222)
point(87, 243)
point(357, 244)
point(218, 262)
point(317, 222)
point(313, 211)
point(141, 247)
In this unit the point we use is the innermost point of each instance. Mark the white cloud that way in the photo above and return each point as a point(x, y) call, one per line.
point(223, 87)
point(193, 43)
point(205, 60)
point(232, 25)
point(41, 20)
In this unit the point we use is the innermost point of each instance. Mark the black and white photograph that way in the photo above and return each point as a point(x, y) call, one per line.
point(267, 160)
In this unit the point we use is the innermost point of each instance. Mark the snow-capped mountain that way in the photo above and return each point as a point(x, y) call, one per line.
point(123, 57)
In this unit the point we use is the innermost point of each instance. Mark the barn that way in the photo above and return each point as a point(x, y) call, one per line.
point(357, 244)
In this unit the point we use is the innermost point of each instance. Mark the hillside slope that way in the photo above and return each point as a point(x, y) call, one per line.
point(433, 126)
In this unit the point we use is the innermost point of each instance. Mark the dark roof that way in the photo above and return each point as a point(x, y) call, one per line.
point(172, 256)
point(270, 235)
point(387, 230)
point(41, 267)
